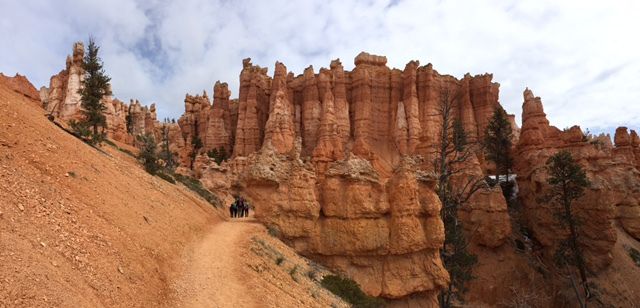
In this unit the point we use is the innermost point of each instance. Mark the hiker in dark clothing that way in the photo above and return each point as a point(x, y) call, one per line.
point(246, 209)
point(241, 206)
point(233, 209)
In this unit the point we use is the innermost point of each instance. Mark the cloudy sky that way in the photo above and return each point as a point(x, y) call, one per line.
point(581, 57)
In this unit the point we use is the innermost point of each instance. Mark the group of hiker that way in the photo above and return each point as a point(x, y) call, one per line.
point(239, 208)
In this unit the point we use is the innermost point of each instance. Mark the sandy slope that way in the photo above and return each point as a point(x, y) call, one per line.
point(79, 227)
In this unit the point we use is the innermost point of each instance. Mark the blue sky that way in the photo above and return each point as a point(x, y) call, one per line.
point(581, 57)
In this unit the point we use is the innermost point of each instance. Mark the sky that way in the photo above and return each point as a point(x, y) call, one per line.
point(581, 57)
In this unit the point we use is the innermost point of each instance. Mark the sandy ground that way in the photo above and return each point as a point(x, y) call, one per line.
point(237, 264)
point(212, 278)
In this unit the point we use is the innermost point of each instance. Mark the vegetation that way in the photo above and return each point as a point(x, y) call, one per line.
point(312, 274)
point(165, 176)
point(218, 154)
point(129, 122)
point(497, 144)
point(197, 187)
point(273, 230)
point(165, 151)
point(148, 155)
point(196, 143)
point(125, 151)
point(635, 255)
point(293, 272)
point(452, 152)
point(95, 86)
point(279, 260)
point(350, 291)
point(568, 181)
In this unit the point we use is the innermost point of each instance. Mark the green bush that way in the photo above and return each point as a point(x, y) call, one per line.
point(125, 151)
point(197, 187)
point(109, 142)
point(218, 155)
point(350, 291)
point(279, 260)
point(273, 230)
point(635, 255)
point(148, 153)
point(166, 177)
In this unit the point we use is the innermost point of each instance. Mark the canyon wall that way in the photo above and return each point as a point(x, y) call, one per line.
point(611, 199)
point(339, 164)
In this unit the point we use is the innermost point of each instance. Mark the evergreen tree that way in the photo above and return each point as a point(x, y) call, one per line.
point(452, 153)
point(568, 181)
point(497, 142)
point(218, 154)
point(148, 153)
point(94, 87)
point(166, 154)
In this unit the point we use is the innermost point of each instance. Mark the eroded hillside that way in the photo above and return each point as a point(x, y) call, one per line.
point(82, 227)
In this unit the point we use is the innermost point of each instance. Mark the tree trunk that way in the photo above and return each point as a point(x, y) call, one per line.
point(574, 245)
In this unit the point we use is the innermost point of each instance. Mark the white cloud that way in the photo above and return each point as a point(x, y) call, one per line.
point(581, 57)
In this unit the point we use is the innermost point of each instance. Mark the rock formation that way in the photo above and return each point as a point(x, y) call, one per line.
point(339, 163)
point(63, 101)
point(22, 85)
point(62, 98)
point(614, 192)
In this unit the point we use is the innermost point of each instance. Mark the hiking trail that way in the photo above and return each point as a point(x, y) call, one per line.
point(212, 276)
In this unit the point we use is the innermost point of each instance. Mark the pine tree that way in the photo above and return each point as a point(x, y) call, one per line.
point(94, 87)
point(452, 153)
point(166, 154)
point(497, 142)
point(148, 153)
point(568, 182)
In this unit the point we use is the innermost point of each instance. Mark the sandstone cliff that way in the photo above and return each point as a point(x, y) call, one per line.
point(339, 164)
point(612, 170)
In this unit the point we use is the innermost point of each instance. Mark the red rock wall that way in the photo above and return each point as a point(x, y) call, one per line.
point(615, 183)
point(324, 157)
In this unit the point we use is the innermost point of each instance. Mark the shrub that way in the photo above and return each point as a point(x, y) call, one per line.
point(197, 187)
point(312, 274)
point(109, 142)
point(279, 260)
point(80, 129)
point(166, 177)
point(273, 230)
point(293, 270)
point(218, 155)
point(350, 291)
point(635, 255)
point(148, 154)
point(125, 151)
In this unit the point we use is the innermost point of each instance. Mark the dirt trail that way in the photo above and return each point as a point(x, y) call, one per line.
point(213, 273)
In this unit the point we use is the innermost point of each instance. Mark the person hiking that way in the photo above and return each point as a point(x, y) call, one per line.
point(246, 209)
point(240, 204)
point(233, 209)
